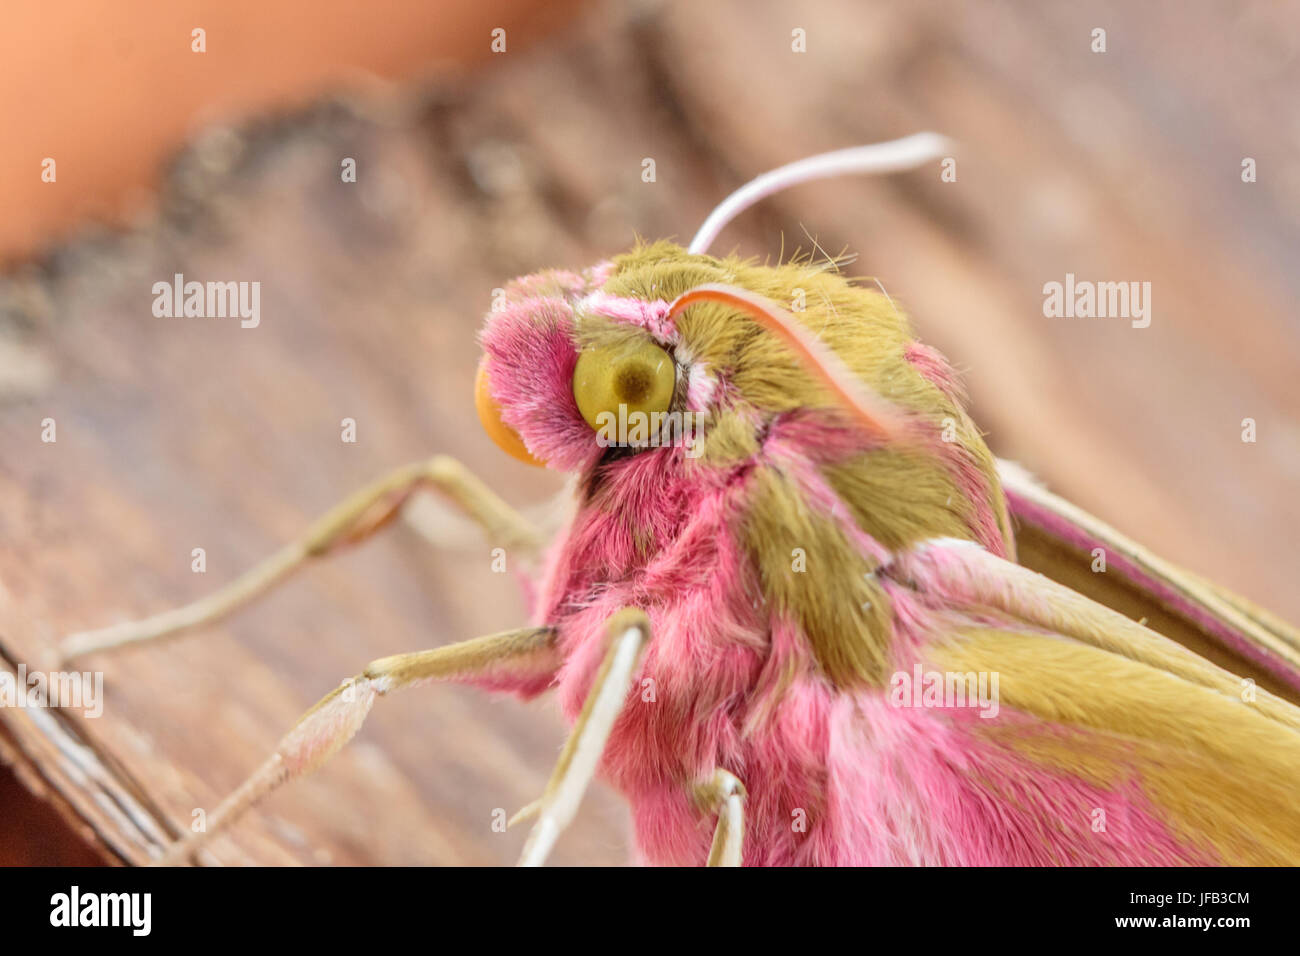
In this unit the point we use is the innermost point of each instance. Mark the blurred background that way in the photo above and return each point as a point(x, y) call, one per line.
point(473, 166)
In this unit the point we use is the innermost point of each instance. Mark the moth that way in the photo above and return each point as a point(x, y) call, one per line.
point(801, 614)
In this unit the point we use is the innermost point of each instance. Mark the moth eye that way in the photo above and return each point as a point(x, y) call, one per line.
point(641, 377)
point(489, 414)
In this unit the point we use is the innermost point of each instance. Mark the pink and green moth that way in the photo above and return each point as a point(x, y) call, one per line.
point(797, 615)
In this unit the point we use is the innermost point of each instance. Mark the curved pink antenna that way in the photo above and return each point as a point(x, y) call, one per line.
point(893, 156)
point(875, 413)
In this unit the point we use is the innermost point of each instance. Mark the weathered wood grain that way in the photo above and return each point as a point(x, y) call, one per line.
point(182, 433)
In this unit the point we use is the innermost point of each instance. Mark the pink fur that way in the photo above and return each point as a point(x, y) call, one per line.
point(874, 784)
point(651, 316)
point(530, 356)
point(932, 364)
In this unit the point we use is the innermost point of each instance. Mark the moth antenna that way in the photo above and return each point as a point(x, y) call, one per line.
point(893, 156)
point(879, 416)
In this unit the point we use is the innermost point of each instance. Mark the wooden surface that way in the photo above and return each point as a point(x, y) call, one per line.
point(182, 433)
point(33, 832)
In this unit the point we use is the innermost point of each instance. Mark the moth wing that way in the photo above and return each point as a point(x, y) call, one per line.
point(1184, 762)
point(1060, 540)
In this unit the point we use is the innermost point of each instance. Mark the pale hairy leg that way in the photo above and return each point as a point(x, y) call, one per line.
point(724, 795)
point(627, 634)
point(520, 655)
point(352, 521)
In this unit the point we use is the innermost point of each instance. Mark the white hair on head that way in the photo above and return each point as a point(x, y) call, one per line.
point(893, 156)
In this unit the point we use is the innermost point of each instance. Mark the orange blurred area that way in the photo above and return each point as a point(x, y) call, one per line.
point(109, 88)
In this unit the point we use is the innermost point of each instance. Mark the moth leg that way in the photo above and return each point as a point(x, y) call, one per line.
point(627, 633)
point(521, 657)
point(350, 522)
point(724, 795)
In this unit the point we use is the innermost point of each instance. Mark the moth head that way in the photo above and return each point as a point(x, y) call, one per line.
point(563, 349)
point(614, 327)
point(688, 361)
point(642, 352)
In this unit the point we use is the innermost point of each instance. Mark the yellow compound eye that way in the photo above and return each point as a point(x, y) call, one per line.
point(489, 413)
point(642, 377)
